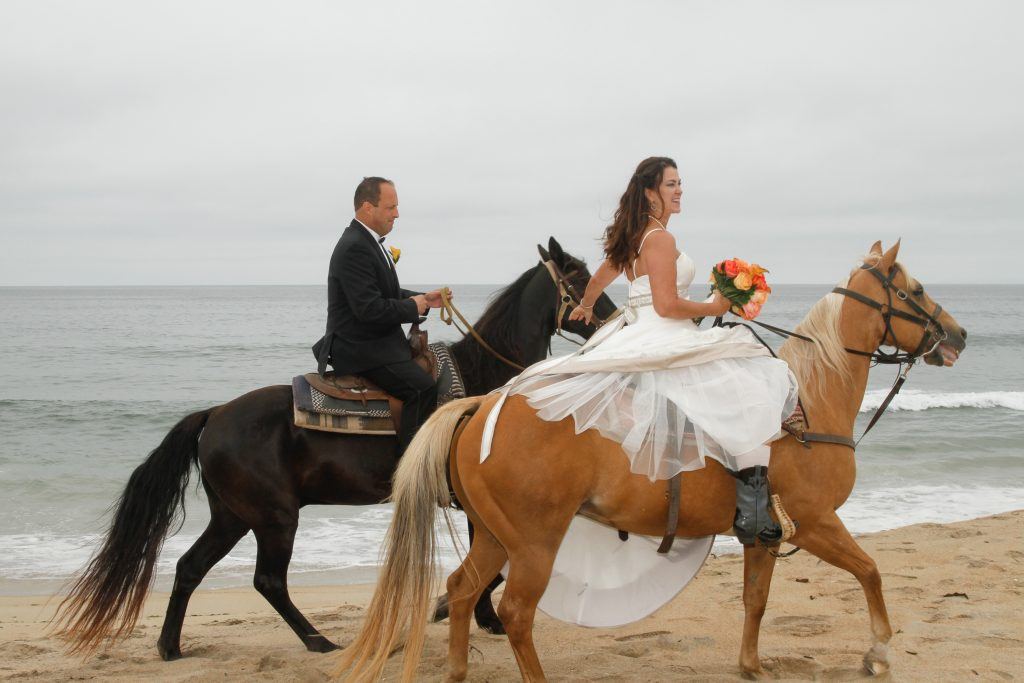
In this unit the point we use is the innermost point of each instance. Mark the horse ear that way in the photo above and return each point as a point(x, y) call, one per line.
point(889, 258)
point(876, 249)
point(556, 251)
point(544, 255)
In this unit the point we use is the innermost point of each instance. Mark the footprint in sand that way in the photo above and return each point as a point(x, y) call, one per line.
point(803, 626)
point(270, 663)
point(19, 650)
point(791, 667)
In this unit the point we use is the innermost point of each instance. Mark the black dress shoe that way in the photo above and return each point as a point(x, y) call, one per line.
point(753, 517)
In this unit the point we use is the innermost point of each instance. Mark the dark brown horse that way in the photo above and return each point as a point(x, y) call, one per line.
point(259, 470)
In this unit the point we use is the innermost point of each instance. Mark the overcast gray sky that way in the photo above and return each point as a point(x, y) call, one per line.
point(219, 143)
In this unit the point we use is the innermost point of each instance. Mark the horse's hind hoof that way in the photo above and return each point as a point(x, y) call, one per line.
point(876, 660)
point(492, 626)
point(440, 610)
point(321, 644)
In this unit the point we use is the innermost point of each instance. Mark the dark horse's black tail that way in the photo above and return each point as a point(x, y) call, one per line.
point(106, 598)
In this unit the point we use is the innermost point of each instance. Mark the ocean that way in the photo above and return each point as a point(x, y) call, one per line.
point(92, 378)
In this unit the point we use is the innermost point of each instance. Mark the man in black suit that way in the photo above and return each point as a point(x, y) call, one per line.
point(366, 308)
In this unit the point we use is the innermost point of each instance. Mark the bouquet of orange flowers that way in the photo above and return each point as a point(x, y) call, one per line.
point(743, 284)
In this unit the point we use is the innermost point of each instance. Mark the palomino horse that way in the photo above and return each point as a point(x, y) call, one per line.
point(258, 469)
point(540, 474)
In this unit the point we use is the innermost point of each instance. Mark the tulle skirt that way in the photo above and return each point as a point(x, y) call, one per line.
point(671, 394)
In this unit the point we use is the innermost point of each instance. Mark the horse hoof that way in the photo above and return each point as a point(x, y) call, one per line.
point(321, 644)
point(440, 610)
point(752, 674)
point(169, 654)
point(876, 660)
point(492, 626)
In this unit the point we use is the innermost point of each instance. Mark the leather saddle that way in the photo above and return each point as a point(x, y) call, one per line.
point(356, 388)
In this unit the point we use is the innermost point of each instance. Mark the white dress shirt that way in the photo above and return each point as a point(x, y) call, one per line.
point(377, 239)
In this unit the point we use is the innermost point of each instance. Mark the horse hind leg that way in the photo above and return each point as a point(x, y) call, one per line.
point(529, 573)
point(465, 587)
point(484, 609)
point(221, 535)
point(273, 554)
point(758, 565)
point(832, 542)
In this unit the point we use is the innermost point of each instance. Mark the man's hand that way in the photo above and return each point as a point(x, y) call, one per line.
point(434, 298)
point(422, 305)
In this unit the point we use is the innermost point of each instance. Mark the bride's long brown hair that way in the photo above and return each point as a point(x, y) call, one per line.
point(622, 237)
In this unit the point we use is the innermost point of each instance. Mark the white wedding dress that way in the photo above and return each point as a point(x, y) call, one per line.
point(672, 395)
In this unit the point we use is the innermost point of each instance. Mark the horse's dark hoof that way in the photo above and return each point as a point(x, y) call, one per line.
point(440, 610)
point(168, 654)
point(320, 644)
point(491, 625)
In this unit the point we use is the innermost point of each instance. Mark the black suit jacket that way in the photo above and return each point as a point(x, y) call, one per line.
point(365, 307)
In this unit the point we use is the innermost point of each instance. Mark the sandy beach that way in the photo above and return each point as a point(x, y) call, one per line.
point(955, 594)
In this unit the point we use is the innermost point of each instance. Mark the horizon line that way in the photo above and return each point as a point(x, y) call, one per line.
point(453, 284)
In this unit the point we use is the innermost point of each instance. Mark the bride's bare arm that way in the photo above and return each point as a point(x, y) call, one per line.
point(659, 261)
point(602, 277)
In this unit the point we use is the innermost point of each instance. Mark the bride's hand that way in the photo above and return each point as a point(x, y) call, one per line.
point(581, 312)
point(719, 304)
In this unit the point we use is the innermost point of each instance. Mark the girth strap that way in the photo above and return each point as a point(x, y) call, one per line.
point(674, 485)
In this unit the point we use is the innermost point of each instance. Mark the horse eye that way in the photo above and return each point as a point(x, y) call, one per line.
point(918, 291)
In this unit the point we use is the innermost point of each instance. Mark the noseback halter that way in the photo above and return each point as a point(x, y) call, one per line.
point(934, 332)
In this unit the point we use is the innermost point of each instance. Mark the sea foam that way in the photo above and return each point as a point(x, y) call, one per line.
point(915, 400)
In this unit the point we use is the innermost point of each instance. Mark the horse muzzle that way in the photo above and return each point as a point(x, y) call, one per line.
point(947, 352)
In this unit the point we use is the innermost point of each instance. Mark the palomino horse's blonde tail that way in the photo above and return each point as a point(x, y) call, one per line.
point(404, 594)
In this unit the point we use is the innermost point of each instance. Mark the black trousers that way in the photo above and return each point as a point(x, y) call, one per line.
point(414, 387)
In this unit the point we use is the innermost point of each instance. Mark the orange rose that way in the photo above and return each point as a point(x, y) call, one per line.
point(743, 281)
point(732, 269)
point(760, 296)
point(396, 253)
point(761, 283)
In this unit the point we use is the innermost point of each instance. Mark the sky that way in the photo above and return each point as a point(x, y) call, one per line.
point(147, 143)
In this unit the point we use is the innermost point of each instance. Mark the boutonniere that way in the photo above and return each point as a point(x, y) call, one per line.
point(396, 253)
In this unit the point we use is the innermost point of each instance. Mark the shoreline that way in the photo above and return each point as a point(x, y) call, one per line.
point(955, 594)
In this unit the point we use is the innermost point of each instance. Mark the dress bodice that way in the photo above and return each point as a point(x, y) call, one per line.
point(685, 269)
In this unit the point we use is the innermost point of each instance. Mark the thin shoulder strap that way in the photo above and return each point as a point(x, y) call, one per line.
point(638, 249)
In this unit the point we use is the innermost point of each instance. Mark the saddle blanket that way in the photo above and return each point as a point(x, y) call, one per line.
point(316, 410)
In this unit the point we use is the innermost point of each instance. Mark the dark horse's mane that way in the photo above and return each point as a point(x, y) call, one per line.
point(499, 327)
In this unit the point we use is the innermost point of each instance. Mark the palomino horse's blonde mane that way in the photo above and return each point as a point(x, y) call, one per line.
point(811, 361)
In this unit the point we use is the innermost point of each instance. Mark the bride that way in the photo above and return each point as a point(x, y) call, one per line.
point(670, 393)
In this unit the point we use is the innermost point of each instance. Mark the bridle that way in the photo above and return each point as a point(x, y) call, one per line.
point(933, 329)
point(932, 336)
point(567, 298)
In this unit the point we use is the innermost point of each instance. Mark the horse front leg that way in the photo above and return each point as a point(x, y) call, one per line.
point(758, 566)
point(832, 542)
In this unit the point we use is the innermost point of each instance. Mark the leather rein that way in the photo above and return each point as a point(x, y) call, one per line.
point(567, 298)
point(933, 335)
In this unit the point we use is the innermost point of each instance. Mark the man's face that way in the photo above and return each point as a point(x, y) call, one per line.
point(382, 217)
